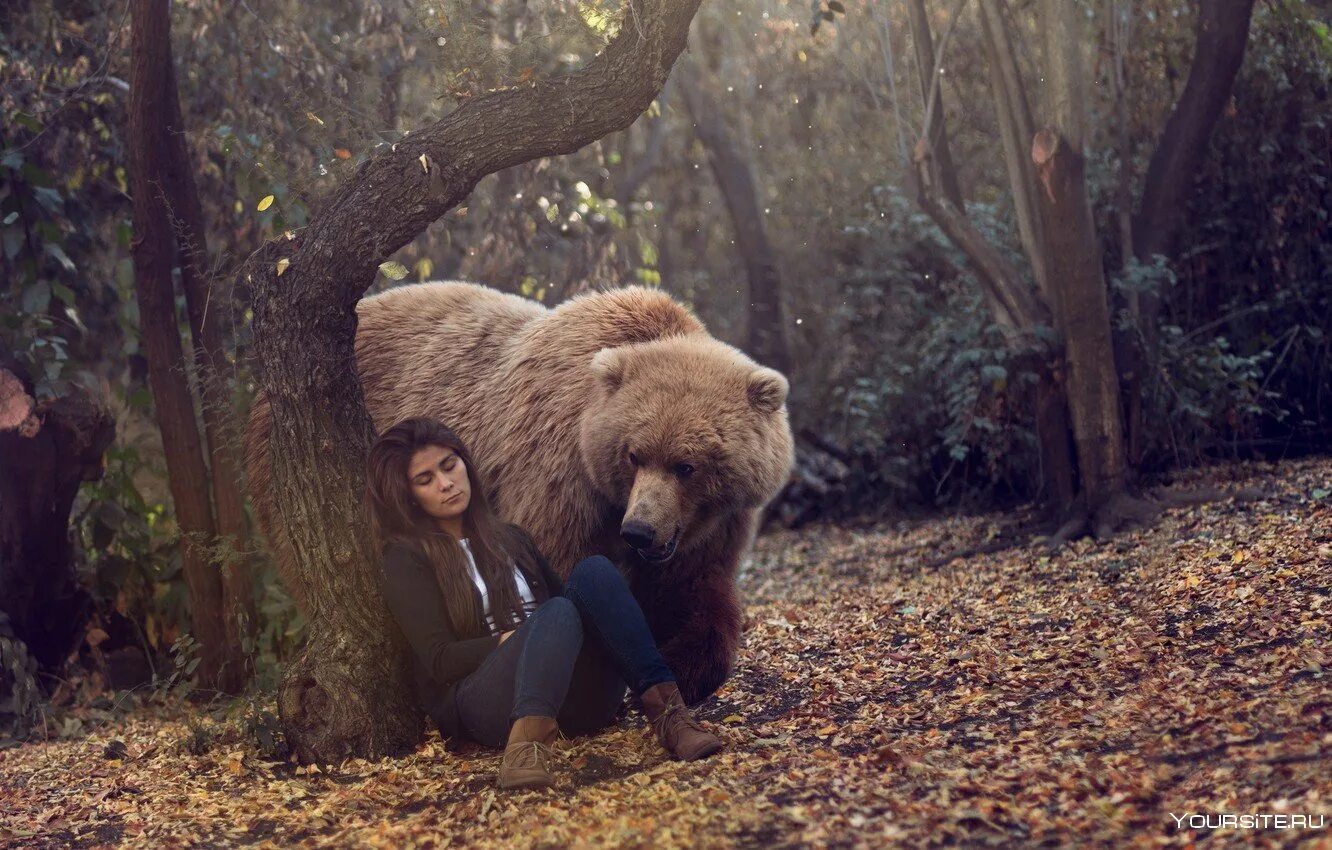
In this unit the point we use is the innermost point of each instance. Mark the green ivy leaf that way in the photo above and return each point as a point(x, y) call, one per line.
point(64, 293)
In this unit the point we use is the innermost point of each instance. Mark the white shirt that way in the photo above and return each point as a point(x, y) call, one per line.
point(525, 594)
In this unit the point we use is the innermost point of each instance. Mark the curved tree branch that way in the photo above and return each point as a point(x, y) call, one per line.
point(396, 194)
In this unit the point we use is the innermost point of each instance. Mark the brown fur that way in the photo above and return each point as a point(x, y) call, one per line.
point(551, 402)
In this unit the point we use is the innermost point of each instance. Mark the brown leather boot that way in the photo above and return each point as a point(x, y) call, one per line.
point(676, 728)
point(526, 762)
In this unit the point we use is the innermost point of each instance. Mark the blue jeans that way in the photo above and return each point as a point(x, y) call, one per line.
point(569, 660)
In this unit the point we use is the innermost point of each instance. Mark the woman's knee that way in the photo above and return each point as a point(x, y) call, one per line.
point(560, 613)
point(595, 571)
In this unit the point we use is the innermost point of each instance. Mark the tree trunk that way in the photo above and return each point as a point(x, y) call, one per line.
point(208, 315)
point(1222, 32)
point(735, 179)
point(1073, 262)
point(150, 98)
point(1059, 474)
point(349, 693)
point(43, 460)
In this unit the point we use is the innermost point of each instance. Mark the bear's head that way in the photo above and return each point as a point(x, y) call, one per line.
point(684, 433)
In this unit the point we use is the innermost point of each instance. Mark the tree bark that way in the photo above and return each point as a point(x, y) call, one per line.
point(1073, 261)
point(349, 692)
point(735, 179)
point(150, 99)
point(207, 315)
point(42, 463)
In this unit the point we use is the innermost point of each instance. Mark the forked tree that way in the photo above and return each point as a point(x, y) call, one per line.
point(348, 693)
point(1086, 476)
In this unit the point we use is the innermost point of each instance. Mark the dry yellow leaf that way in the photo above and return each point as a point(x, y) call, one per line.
point(265, 203)
point(282, 265)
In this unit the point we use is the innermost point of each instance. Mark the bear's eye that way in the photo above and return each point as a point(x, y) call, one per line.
point(684, 470)
point(633, 459)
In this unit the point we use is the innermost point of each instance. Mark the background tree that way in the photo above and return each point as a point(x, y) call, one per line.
point(161, 179)
point(766, 338)
point(1058, 233)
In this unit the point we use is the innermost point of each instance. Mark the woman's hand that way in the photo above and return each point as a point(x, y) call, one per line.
point(504, 636)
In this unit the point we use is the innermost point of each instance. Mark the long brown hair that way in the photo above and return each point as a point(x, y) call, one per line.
point(395, 517)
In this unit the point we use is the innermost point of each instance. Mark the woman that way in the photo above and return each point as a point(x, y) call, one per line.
point(501, 654)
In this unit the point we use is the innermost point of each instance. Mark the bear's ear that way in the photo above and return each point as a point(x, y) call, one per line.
point(767, 390)
point(608, 365)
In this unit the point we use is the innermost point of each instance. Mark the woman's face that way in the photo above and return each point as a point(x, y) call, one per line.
point(438, 479)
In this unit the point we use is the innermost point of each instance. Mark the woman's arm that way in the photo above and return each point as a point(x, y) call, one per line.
point(552, 579)
point(414, 597)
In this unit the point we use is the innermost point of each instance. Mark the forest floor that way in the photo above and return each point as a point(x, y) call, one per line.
point(1013, 698)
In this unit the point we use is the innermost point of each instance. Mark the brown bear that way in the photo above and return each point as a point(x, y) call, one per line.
point(612, 424)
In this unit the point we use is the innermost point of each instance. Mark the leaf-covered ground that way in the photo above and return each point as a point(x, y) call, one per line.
point(1008, 699)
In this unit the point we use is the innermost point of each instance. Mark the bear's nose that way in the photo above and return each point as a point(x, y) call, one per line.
point(637, 534)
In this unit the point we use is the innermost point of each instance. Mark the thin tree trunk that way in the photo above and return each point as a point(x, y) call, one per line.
point(1016, 129)
point(730, 168)
point(150, 146)
point(1118, 22)
point(349, 693)
point(207, 315)
point(1016, 309)
point(1073, 261)
point(940, 157)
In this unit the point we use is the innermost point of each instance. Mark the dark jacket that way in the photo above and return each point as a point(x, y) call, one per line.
point(440, 657)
